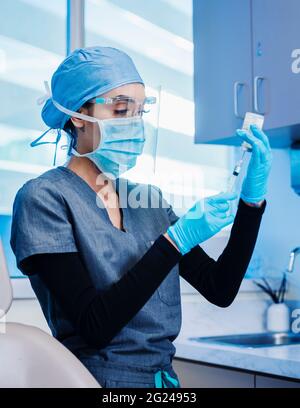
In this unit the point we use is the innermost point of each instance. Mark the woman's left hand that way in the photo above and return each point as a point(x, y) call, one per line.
point(254, 186)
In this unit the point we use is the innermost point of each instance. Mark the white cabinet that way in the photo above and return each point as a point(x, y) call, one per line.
point(276, 34)
point(272, 382)
point(197, 375)
point(223, 67)
point(194, 374)
point(246, 57)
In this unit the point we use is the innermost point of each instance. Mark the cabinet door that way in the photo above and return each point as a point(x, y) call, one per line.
point(197, 375)
point(223, 67)
point(268, 382)
point(276, 36)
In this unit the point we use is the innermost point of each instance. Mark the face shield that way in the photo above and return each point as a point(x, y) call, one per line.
point(145, 167)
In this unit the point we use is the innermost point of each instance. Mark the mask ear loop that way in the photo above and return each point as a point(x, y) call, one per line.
point(40, 101)
point(68, 112)
point(71, 113)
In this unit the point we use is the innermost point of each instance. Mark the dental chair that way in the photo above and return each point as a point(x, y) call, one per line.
point(30, 357)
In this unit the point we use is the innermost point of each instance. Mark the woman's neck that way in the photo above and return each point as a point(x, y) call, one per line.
point(103, 186)
point(90, 173)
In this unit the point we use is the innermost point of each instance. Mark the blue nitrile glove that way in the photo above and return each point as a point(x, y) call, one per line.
point(202, 221)
point(254, 186)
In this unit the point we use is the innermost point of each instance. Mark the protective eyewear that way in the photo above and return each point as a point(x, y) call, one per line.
point(126, 106)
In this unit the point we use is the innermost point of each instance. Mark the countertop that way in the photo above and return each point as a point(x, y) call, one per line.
point(277, 360)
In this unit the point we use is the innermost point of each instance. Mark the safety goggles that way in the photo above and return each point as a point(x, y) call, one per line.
point(126, 106)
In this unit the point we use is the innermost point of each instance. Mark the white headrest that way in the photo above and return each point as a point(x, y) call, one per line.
point(6, 292)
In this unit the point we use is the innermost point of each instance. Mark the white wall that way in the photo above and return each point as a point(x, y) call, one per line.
point(280, 228)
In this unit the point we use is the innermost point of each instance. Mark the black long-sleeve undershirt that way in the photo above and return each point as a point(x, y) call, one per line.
point(219, 281)
point(98, 315)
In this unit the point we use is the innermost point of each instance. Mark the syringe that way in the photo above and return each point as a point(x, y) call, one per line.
point(238, 167)
point(250, 119)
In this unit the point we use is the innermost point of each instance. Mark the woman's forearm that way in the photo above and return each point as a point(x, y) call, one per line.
point(219, 281)
point(258, 204)
point(166, 235)
point(98, 315)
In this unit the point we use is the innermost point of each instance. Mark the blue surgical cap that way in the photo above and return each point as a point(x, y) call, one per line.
point(83, 75)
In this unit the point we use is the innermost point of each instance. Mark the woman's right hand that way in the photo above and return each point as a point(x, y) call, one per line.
point(206, 218)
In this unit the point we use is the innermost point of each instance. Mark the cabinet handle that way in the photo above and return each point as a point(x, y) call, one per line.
point(236, 87)
point(256, 105)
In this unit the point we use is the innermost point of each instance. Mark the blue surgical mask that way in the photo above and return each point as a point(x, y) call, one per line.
point(121, 142)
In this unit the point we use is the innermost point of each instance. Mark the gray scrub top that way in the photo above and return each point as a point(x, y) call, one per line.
point(59, 212)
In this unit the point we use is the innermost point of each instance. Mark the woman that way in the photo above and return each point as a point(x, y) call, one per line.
point(106, 273)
